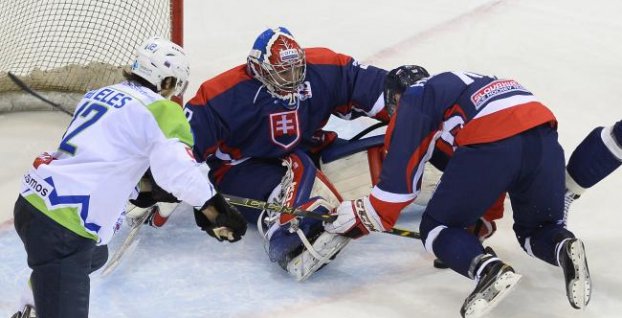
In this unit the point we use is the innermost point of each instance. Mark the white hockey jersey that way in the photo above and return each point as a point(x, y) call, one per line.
point(117, 132)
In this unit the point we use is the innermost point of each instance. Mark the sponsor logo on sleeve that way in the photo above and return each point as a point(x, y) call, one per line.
point(495, 88)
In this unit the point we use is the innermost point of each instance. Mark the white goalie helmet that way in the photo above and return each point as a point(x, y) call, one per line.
point(158, 58)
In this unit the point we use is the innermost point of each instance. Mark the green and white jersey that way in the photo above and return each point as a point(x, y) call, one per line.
point(117, 132)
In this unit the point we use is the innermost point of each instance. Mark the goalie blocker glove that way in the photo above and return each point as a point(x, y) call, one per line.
point(228, 225)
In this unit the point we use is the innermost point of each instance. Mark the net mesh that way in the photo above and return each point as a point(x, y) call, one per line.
point(75, 45)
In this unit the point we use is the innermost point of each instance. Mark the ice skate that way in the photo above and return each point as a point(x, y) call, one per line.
point(322, 251)
point(495, 282)
point(27, 312)
point(573, 262)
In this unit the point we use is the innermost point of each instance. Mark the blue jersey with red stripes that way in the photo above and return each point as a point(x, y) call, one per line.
point(448, 110)
point(234, 117)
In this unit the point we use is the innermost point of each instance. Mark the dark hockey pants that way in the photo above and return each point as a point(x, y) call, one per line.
point(61, 262)
point(529, 167)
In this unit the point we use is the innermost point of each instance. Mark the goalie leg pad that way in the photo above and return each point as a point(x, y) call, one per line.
point(285, 243)
point(324, 249)
point(293, 239)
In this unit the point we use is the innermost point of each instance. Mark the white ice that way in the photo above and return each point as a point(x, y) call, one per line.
point(567, 52)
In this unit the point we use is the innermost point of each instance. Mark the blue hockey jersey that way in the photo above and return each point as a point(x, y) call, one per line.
point(234, 117)
point(448, 110)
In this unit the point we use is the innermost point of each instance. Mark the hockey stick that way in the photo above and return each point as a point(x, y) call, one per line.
point(30, 91)
point(367, 131)
point(129, 242)
point(261, 205)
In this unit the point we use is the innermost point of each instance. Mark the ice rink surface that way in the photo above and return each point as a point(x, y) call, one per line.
point(567, 52)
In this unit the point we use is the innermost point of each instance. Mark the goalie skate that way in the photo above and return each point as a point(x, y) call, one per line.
point(491, 288)
point(322, 251)
point(573, 262)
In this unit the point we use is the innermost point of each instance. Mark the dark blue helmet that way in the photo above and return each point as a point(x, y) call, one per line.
point(398, 80)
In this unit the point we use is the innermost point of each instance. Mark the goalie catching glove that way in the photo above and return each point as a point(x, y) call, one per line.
point(355, 218)
point(220, 220)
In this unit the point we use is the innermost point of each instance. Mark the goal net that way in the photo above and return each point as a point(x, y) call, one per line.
point(63, 48)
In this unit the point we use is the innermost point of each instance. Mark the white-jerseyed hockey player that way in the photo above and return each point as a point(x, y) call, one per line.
point(72, 199)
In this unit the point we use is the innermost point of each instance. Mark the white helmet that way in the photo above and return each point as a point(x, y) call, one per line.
point(158, 58)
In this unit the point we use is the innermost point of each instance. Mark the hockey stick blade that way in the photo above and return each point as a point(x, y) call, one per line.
point(30, 91)
point(261, 205)
point(130, 241)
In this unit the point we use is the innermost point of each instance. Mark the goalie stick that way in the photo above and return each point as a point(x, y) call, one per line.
point(261, 205)
point(30, 91)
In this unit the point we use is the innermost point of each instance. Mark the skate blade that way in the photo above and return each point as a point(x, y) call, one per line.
point(504, 285)
point(579, 289)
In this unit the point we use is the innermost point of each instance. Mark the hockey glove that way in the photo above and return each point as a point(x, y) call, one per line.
point(354, 219)
point(152, 193)
point(220, 219)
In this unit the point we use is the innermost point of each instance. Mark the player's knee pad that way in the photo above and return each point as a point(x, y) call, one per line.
point(305, 187)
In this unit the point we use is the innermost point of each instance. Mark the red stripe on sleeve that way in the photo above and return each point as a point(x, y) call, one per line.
point(388, 212)
point(415, 160)
point(321, 55)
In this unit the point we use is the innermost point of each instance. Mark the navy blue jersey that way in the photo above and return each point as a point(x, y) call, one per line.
point(234, 117)
point(449, 110)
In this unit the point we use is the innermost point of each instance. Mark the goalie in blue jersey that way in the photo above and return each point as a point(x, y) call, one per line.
point(259, 127)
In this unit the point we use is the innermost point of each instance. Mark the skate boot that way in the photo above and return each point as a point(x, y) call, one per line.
point(27, 312)
point(495, 280)
point(571, 258)
point(439, 264)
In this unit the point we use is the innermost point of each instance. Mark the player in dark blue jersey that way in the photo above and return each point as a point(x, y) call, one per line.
point(259, 125)
point(504, 140)
point(597, 156)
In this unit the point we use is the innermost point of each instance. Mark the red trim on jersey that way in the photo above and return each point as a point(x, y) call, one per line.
point(221, 171)
point(388, 212)
point(455, 109)
point(383, 116)
point(505, 123)
point(234, 153)
point(219, 84)
point(210, 151)
point(343, 109)
point(415, 160)
point(320, 55)
point(389, 132)
point(375, 156)
point(444, 147)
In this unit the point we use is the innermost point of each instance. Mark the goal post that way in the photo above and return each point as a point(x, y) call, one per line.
point(63, 48)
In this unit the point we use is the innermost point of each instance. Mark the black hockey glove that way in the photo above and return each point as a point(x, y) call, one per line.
point(154, 193)
point(228, 218)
